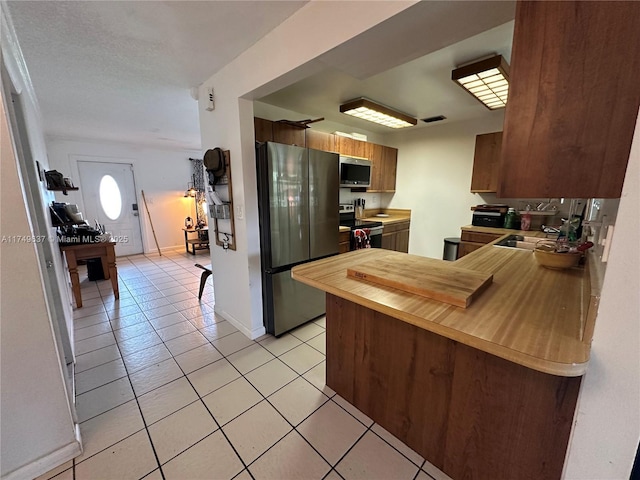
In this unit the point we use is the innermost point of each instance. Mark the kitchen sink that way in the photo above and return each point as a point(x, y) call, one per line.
point(518, 241)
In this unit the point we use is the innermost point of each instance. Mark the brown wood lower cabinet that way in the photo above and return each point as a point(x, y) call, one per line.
point(466, 248)
point(395, 236)
point(471, 414)
point(470, 241)
point(344, 242)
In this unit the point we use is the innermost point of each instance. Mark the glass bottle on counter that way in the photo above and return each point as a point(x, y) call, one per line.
point(510, 219)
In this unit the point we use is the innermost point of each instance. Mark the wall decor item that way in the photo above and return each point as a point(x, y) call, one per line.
point(220, 192)
point(199, 191)
point(56, 181)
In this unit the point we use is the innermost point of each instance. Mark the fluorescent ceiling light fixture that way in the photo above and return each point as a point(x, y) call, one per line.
point(487, 80)
point(373, 112)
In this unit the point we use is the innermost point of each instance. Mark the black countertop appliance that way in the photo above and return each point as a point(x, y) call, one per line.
point(489, 215)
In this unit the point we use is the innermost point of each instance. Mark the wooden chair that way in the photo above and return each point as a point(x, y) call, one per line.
point(203, 278)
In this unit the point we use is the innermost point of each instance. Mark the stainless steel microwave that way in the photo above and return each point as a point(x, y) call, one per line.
point(355, 172)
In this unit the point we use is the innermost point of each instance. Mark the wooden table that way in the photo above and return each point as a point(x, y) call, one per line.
point(103, 250)
point(200, 243)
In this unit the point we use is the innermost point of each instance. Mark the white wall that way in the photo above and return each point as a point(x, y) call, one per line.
point(272, 63)
point(38, 431)
point(163, 174)
point(607, 424)
point(434, 177)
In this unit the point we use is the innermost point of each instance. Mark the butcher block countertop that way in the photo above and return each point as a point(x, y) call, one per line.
point(394, 215)
point(529, 315)
point(507, 231)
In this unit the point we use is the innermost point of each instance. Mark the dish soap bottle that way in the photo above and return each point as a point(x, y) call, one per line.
point(510, 219)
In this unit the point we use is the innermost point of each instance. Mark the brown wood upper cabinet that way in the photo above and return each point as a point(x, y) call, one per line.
point(263, 129)
point(268, 131)
point(573, 99)
point(321, 141)
point(288, 134)
point(384, 159)
point(486, 163)
point(353, 148)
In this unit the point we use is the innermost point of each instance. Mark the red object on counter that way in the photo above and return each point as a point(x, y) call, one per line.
point(525, 222)
point(585, 246)
point(361, 238)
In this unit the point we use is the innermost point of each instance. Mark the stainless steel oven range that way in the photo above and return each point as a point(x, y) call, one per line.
point(373, 230)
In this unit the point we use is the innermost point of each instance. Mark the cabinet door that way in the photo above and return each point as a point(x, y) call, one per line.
point(389, 166)
point(321, 140)
point(486, 162)
point(388, 241)
point(465, 248)
point(353, 148)
point(376, 156)
point(479, 237)
point(263, 129)
point(573, 99)
point(344, 242)
point(395, 236)
point(288, 134)
point(383, 169)
point(402, 241)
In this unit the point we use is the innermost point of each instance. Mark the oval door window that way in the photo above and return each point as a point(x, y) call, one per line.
point(110, 197)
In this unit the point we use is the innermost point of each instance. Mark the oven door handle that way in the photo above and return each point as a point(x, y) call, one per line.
point(375, 231)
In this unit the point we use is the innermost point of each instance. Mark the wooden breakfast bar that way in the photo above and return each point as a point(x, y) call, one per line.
point(483, 392)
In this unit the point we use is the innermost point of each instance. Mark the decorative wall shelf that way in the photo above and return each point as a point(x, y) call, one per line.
point(225, 230)
point(63, 190)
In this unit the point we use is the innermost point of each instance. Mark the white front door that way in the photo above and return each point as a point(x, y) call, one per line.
point(109, 194)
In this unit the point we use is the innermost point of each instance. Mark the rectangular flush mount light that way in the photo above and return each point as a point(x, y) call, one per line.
point(373, 112)
point(487, 80)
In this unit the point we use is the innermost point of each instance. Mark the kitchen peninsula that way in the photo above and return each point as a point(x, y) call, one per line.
point(487, 391)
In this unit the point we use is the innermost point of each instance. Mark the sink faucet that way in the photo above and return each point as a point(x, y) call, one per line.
point(542, 207)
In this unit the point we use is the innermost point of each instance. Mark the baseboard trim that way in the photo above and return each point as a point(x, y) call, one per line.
point(153, 249)
point(252, 334)
point(50, 461)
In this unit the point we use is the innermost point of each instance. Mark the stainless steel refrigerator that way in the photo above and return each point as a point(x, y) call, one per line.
point(298, 196)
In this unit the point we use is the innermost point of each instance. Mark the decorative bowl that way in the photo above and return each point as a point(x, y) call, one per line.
point(547, 257)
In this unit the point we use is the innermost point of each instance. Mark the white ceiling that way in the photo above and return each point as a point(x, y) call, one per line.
point(122, 71)
point(420, 88)
point(404, 63)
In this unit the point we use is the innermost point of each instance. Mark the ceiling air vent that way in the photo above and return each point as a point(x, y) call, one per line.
point(437, 118)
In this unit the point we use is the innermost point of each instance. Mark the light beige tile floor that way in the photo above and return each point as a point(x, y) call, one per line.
point(167, 389)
